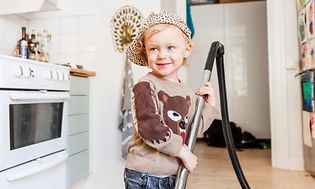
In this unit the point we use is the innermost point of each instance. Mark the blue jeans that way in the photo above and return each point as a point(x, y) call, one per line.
point(138, 180)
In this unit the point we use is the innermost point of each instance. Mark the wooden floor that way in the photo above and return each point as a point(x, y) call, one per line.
point(215, 171)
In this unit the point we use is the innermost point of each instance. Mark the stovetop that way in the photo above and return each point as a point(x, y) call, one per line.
point(18, 73)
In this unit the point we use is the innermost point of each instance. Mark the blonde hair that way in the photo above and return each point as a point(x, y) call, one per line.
point(156, 29)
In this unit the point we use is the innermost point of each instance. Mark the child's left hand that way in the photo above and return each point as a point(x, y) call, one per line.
point(207, 92)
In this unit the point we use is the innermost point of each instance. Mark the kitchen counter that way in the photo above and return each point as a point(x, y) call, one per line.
point(81, 72)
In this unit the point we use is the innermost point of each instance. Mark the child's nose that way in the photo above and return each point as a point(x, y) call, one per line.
point(162, 54)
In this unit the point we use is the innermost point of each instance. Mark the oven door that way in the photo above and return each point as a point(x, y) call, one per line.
point(33, 125)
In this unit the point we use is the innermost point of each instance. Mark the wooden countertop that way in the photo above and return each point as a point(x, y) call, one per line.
point(81, 72)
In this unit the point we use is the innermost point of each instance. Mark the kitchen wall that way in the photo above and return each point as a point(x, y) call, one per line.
point(73, 35)
point(10, 32)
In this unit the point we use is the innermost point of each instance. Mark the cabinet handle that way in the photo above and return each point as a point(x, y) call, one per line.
point(37, 96)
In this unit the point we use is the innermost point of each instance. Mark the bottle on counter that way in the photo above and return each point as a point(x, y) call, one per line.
point(33, 45)
point(39, 55)
point(45, 45)
point(23, 44)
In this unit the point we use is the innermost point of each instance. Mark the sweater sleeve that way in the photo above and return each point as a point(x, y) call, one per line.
point(148, 121)
point(208, 115)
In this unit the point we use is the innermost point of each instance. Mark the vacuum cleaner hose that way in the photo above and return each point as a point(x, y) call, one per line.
point(226, 123)
point(216, 52)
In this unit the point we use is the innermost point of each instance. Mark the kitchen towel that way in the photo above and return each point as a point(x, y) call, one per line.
point(125, 117)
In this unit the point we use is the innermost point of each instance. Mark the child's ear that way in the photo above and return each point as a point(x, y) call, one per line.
point(188, 50)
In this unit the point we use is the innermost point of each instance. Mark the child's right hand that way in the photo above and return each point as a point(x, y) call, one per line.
point(188, 158)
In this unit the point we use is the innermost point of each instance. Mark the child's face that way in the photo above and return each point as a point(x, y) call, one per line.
point(166, 48)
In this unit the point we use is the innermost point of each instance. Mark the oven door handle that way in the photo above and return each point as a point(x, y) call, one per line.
point(39, 96)
point(13, 176)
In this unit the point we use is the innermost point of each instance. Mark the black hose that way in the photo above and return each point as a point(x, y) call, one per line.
point(225, 118)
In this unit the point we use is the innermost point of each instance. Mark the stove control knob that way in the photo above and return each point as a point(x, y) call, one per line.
point(19, 71)
point(60, 76)
point(27, 72)
point(66, 76)
point(54, 75)
point(57, 78)
point(49, 75)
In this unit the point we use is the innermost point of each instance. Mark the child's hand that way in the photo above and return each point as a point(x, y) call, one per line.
point(188, 158)
point(207, 92)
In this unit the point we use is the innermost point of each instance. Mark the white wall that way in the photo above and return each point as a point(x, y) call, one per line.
point(285, 92)
point(246, 60)
point(73, 35)
point(10, 32)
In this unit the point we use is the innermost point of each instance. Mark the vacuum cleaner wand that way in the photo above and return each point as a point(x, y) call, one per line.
point(216, 51)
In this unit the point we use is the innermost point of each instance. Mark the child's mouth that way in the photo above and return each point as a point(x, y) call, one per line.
point(163, 64)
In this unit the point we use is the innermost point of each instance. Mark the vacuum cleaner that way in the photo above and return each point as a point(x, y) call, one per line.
point(216, 52)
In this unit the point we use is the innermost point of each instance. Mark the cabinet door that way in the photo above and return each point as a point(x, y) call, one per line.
point(247, 66)
point(78, 143)
point(209, 27)
point(78, 130)
point(76, 168)
point(78, 123)
point(79, 86)
point(78, 105)
point(242, 29)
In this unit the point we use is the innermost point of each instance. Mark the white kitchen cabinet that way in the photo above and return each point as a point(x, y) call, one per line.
point(78, 130)
point(242, 29)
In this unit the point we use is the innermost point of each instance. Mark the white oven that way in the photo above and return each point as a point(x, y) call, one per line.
point(33, 117)
point(33, 125)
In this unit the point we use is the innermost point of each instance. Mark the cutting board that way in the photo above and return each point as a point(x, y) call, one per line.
point(81, 72)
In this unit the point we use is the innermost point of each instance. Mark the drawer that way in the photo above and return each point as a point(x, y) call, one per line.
point(37, 174)
point(78, 123)
point(77, 167)
point(78, 105)
point(79, 86)
point(78, 143)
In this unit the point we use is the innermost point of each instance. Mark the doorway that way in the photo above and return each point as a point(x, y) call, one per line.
point(246, 60)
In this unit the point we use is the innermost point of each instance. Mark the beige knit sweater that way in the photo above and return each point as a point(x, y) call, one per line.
point(162, 110)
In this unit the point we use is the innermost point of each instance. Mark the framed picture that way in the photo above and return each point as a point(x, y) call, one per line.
point(301, 4)
point(302, 26)
point(309, 15)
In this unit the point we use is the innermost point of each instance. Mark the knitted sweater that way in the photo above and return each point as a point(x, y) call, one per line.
point(161, 112)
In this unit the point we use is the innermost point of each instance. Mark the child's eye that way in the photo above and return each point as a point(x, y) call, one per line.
point(171, 47)
point(153, 49)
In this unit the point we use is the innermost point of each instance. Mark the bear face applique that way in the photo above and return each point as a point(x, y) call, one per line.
point(175, 113)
